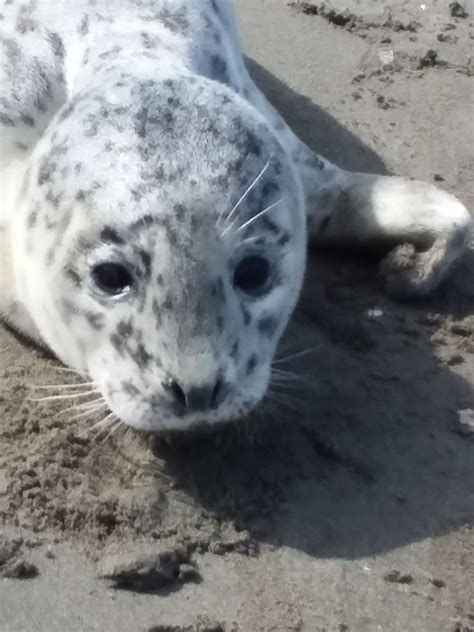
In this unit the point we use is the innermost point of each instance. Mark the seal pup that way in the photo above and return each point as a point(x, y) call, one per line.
point(155, 208)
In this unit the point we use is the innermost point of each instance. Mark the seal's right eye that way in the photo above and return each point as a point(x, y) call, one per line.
point(112, 278)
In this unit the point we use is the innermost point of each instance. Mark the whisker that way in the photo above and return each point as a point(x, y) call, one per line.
point(289, 375)
point(89, 407)
point(291, 381)
point(119, 424)
point(283, 386)
point(106, 421)
point(88, 412)
point(304, 380)
point(66, 370)
point(295, 355)
point(256, 238)
point(244, 195)
point(84, 406)
point(253, 219)
point(61, 386)
point(283, 397)
point(53, 398)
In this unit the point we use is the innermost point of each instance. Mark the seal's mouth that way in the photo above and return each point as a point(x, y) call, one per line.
point(140, 416)
point(191, 425)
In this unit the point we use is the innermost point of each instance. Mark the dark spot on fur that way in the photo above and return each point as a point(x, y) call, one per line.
point(110, 235)
point(218, 290)
point(73, 276)
point(130, 389)
point(56, 44)
point(150, 41)
point(146, 261)
point(219, 69)
point(137, 194)
point(96, 321)
point(6, 120)
point(283, 240)
point(69, 309)
point(140, 122)
point(27, 120)
point(54, 199)
point(25, 25)
point(277, 168)
point(141, 356)
point(180, 211)
point(171, 236)
point(221, 180)
point(117, 342)
point(251, 364)
point(44, 173)
point(124, 329)
point(252, 145)
point(84, 25)
point(32, 218)
point(142, 224)
point(167, 303)
point(270, 225)
point(246, 317)
point(270, 188)
point(267, 326)
point(13, 50)
point(156, 310)
point(234, 352)
point(174, 20)
point(67, 110)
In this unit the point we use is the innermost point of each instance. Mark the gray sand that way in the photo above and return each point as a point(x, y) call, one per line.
point(352, 507)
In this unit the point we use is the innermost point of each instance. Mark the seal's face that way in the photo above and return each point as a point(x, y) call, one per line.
point(170, 280)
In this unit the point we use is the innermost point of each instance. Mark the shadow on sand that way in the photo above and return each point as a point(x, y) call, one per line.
point(361, 455)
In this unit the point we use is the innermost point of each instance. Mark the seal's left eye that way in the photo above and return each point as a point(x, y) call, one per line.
point(112, 278)
point(252, 275)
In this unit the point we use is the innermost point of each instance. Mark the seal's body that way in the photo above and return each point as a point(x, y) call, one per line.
point(155, 208)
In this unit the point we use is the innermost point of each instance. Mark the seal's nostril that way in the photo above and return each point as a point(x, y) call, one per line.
point(195, 398)
point(175, 390)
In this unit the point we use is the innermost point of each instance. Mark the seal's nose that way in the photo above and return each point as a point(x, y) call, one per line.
point(195, 398)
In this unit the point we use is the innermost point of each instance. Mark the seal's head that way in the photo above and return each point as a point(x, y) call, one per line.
point(164, 249)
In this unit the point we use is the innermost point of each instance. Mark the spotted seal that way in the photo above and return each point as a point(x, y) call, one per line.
point(155, 207)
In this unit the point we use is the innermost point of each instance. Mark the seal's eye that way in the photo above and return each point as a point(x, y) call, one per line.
point(252, 274)
point(112, 278)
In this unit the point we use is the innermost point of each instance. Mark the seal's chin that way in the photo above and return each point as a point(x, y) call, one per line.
point(201, 423)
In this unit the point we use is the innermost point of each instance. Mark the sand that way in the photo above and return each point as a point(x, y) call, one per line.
point(349, 506)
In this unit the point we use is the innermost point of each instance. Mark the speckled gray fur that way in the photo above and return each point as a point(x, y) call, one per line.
point(130, 131)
